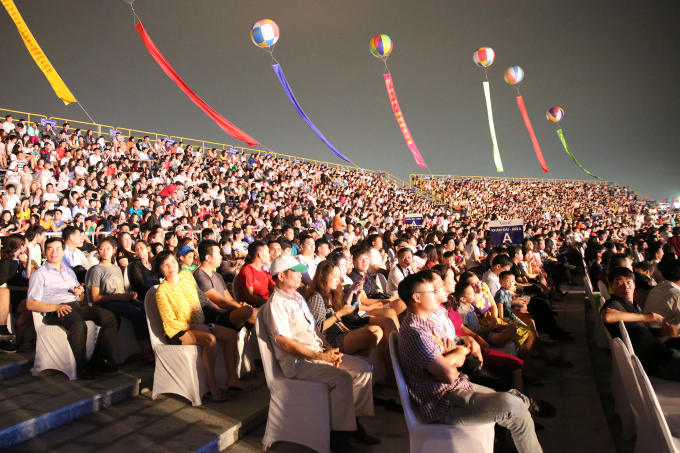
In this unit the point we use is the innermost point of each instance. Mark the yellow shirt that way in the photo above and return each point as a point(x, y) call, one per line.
point(180, 304)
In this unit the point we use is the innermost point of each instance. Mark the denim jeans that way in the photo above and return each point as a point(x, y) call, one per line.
point(508, 409)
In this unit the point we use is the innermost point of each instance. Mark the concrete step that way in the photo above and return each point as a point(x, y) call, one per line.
point(30, 406)
point(168, 424)
point(15, 364)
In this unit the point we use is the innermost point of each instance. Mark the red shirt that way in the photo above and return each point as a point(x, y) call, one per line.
point(260, 280)
point(168, 191)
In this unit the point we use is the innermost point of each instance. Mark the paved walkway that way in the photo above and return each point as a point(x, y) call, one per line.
point(580, 425)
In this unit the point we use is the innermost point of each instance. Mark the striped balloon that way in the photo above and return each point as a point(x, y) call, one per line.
point(381, 46)
point(264, 33)
point(514, 75)
point(555, 114)
point(484, 57)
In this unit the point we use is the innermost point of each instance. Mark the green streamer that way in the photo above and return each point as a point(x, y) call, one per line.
point(496, 153)
point(566, 148)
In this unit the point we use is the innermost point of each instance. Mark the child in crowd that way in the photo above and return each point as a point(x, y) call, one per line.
point(504, 297)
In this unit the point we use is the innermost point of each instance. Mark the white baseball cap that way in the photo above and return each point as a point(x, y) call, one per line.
point(284, 263)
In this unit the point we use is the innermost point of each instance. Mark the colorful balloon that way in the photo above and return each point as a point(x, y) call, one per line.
point(264, 33)
point(514, 75)
point(381, 46)
point(484, 57)
point(555, 114)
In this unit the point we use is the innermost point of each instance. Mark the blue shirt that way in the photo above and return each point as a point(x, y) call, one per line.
point(50, 286)
point(77, 209)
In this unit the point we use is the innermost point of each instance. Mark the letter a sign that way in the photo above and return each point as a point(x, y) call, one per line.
point(506, 232)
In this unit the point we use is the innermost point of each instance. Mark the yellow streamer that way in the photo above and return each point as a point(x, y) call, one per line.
point(36, 52)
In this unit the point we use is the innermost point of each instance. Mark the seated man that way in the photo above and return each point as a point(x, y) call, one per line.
point(664, 298)
point(400, 270)
point(371, 294)
point(212, 284)
point(430, 362)
point(74, 258)
point(657, 359)
point(304, 354)
point(53, 289)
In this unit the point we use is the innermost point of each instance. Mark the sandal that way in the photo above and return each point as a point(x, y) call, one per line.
point(216, 399)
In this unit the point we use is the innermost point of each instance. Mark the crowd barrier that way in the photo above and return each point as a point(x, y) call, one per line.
point(110, 131)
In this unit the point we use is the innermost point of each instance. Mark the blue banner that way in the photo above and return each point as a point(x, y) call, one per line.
point(291, 96)
point(297, 161)
point(45, 121)
point(413, 219)
point(233, 151)
point(113, 132)
point(506, 233)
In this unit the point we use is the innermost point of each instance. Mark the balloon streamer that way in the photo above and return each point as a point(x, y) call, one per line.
point(400, 119)
point(226, 126)
point(291, 96)
point(566, 148)
point(525, 116)
point(40, 58)
point(484, 57)
point(496, 153)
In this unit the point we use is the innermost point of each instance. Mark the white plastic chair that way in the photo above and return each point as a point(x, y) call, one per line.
point(604, 291)
point(626, 338)
point(599, 331)
point(663, 440)
point(382, 282)
point(299, 411)
point(179, 369)
point(633, 397)
point(435, 437)
point(126, 280)
point(52, 349)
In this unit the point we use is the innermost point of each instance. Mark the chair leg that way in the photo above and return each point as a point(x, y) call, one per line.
point(266, 448)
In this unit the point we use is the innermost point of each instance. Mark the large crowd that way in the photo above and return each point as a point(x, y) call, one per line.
point(90, 226)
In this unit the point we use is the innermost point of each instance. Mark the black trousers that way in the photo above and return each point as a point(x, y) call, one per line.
point(544, 318)
point(76, 330)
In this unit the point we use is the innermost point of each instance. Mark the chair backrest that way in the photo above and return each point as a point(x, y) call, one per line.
point(405, 397)
point(272, 369)
point(381, 281)
point(588, 284)
point(626, 338)
point(604, 291)
point(126, 280)
point(153, 318)
point(234, 288)
point(660, 430)
point(88, 290)
point(630, 383)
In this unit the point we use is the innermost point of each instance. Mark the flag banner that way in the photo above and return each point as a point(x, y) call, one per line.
point(400, 119)
point(496, 153)
point(539, 154)
point(216, 117)
point(566, 148)
point(36, 52)
point(291, 96)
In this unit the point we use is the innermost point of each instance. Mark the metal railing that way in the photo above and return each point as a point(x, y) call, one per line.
point(425, 177)
point(126, 132)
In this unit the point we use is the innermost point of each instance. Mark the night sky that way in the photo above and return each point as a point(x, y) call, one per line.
point(612, 65)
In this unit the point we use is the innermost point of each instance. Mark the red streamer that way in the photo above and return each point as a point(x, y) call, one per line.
point(400, 119)
point(216, 117)
point(539, 154)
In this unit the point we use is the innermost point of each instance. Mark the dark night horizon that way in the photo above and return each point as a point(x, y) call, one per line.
point(611, 65)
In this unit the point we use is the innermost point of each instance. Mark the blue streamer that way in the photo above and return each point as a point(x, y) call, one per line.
point(291, 96)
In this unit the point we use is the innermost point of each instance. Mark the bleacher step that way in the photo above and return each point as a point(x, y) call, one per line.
point(31, 406)
point(168, 424)
point(15, 364)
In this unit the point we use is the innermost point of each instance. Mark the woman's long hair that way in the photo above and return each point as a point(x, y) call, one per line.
point(14, 243)
point(332, 298)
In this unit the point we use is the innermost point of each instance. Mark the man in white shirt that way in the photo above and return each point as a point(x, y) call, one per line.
point(50, 195)
point(474, 256)
point(304, 354)
point(8, 126)
point(306, 258)
point(664, 298)
point(12, 198)
point(73, 257)
point(400, 270)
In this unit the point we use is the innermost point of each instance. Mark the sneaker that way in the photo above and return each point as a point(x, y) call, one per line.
point(545, 338)
point(103, 366)
point(541, 408)
point(8, 347)
point(569, 266)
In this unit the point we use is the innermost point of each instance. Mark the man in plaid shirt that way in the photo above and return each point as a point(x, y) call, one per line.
point(430, 362)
